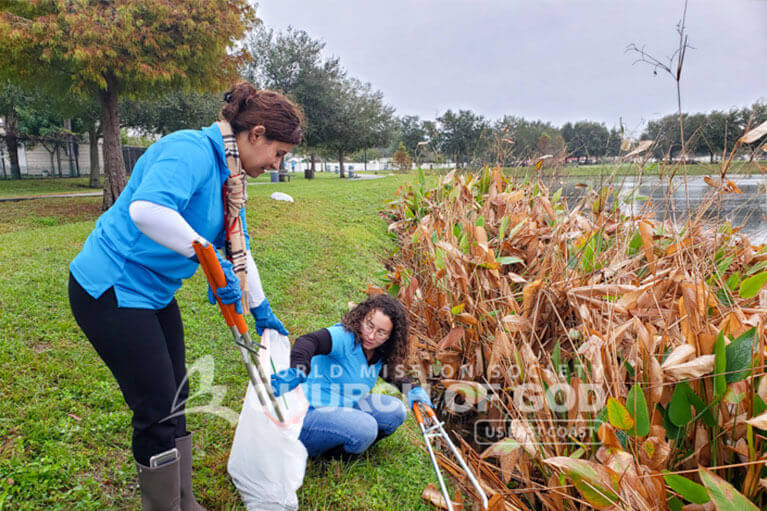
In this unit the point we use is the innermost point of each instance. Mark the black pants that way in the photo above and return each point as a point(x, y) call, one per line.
point(144, 349)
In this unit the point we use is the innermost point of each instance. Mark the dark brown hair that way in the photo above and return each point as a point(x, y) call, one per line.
point(247, 106)
point(394, 350)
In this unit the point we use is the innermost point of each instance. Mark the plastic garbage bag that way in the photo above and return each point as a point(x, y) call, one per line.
point(267, 461)
point(281, 196)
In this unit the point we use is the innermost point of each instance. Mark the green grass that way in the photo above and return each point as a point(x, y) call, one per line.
point(64, 428)
point(43, 186)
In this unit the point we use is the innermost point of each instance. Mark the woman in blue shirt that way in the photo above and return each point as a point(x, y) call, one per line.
point(338, 367)
point(188, 186)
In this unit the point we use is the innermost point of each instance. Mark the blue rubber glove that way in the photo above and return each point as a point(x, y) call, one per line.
point(232, 292)
point(265, 318)
point(418, 395)
point(286, 380)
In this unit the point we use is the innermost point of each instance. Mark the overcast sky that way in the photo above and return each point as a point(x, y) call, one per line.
point(554, 60)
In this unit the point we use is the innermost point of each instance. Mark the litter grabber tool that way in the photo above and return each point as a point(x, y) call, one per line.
point(206, 254)
point(431, 428)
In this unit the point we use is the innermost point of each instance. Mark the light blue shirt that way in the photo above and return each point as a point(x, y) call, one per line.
point(183, 171)
point(343, 376)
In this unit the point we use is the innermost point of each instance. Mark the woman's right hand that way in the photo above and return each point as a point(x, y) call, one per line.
point(231, 293)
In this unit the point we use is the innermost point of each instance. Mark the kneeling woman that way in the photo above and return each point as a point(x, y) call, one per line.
point(339, 365)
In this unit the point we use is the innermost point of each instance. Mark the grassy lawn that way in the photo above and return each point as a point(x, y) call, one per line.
point(44, 186)
point(64, 428)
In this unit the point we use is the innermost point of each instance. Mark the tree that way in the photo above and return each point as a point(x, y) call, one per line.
point(402, 159)
point(666, 134)
point(614, 141)
point(132, 47)
point(361, 120)
point(292, 62)
point(525, 136)
point(752, 118)
point(410, 133)
point(173, 111)
point(11, 99)
point(462, 135)
point(586, 139)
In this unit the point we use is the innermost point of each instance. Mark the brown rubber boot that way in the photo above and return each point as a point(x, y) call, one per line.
point(184, 446)
point(159, 487)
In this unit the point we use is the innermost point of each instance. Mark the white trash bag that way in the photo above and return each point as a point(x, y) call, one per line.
point(267, 461)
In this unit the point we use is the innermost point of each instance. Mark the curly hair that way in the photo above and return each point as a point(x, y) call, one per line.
point(394, 350)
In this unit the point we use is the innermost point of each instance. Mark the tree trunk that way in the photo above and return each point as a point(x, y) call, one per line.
point(114, 167)
point(93, 139)
point(12, 142)
point(70, 147)
point(341, 164)
point(52, 157)
point(309, 172)
point(58, 158)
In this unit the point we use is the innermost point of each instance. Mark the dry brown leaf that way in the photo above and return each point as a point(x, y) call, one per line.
point(607, 436)
point(496, 503)
point(655, 381)
point(760, 421)
point(434, 497)
point(678, 355)
point(646, 233)
point(466, 318)
point(755, 134)
point(695, 368)
point(529, 296)
point(453, 338)
point(654, 452)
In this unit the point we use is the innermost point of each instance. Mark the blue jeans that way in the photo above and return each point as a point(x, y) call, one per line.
point(374, 416)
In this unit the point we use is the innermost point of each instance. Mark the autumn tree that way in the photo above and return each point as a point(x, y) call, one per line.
point(402, 159)
point(107, 49)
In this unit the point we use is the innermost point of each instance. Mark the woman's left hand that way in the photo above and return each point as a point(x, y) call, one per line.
point(231, 293)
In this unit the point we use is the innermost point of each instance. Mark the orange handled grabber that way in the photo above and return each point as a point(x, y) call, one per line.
point(206, 254)
point(432, 427)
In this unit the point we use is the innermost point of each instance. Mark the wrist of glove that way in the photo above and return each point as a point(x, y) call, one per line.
point(231, 293)
point(418, 395)
point(265, 318)
point(286, 380)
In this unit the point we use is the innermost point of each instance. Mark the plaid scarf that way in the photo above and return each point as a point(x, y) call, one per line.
point(235, 195)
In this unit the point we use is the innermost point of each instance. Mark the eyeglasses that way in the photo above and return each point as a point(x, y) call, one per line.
point(377, 333)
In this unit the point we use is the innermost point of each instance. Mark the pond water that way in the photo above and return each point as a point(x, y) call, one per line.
point(747, 209)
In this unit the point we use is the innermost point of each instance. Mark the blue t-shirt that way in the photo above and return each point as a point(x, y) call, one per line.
point(183, 171)
point(343, 376)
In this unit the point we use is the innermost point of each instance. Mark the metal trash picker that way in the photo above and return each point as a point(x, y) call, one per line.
point(431, 428)
point(206, 254)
